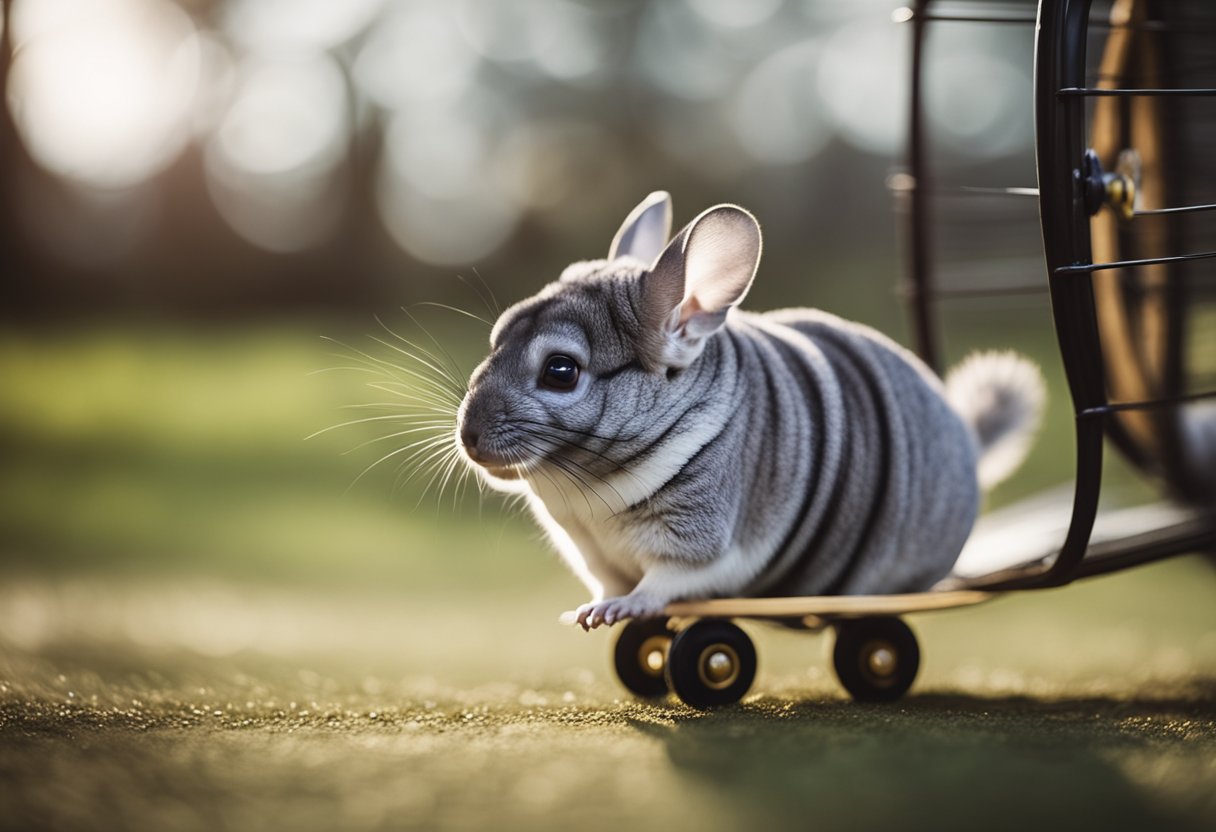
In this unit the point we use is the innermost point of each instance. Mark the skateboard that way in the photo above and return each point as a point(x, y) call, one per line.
point(696, 651)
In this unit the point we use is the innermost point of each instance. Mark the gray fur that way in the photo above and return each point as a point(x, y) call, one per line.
point(711, 452)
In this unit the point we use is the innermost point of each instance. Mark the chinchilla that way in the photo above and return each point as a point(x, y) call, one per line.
point(675, 447)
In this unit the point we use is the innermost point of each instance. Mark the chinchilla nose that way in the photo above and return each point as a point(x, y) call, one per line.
point(469, 434)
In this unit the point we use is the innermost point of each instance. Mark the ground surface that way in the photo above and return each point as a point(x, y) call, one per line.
point(201, 629)
point(211, 708)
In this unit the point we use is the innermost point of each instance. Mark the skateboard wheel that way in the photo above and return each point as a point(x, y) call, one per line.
point(712, 663)
point(876, 659)
point(640, 657)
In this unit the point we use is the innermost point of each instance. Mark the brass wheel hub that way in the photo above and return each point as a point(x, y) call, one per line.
point(652, 655)
point(718, 666)
point(879, 661)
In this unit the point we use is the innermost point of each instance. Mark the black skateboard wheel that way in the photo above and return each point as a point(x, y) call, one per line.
point(712, 663)
point(640, 657)
point(876, 659)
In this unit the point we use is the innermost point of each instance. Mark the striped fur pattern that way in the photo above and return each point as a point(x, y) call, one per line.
point(708, 452)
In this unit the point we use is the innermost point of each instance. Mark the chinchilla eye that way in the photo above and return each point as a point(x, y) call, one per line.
point(560, 373)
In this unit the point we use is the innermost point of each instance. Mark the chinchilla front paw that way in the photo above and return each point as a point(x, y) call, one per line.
point(611, 610)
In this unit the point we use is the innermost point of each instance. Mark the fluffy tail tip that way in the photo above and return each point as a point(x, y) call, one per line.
point(1000, 396)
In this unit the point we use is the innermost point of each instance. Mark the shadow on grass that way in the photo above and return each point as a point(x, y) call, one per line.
point(955, 761)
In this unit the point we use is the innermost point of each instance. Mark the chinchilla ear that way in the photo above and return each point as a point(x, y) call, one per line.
point(645, 230)
point(701, 275)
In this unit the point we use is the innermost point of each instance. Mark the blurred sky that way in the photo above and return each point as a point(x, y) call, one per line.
point(220, 156)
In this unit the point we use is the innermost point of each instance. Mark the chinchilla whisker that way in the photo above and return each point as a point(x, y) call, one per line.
point(516, 502)
point(437, 361)
point(540, 436)
point(484, 301)
point(540, 451)
point(414, 409)
point(432, 385)
point(433, 429)
point(389, 418)
point(561, 491)
point(449, 465)
point(446, 463)
point(455, 309)
point(443, 360)
point(383, 363)
point(491, 308)
point(497, 308)
point(388, 456)
point(580, 484)
point(432, 467)
point(575, 431)
point(421, 385)
point(458, 372)
point(406, 471)
point(597, 478)
point(414, 399)
point(420, 461)
point(414, 394)
point(467, 476)
point(342, 368)
point(367, 365)
point(571, 469)
point(458, 485)
point(422, 448)
point(415, 405)
point(616, 466)
point(430, 459)
point(441, 374)
point(453, 461)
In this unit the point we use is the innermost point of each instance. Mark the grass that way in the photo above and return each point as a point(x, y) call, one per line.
point(155, 452)
point(201, 626)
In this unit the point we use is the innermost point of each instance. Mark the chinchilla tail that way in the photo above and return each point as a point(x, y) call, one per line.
point(1000, 396)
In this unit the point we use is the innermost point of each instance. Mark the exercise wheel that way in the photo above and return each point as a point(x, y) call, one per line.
point(1124, 171)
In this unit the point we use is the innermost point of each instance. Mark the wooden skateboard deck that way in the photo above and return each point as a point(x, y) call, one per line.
point(823, 607)
point(827, 606)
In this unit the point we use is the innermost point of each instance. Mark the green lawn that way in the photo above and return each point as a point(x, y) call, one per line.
point(148, 451)
point(203, 626)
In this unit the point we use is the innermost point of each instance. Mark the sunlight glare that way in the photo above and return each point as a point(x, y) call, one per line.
point(551, 164)
point(863, 80)
point(296, 25)
point(976, 102)
point(500, 31)
point(731, 14)
point(286, 115)
point(415, 54)
point(778, 116)
point(568, 42)
point(101, 91)
point(271, 163)
point(680, 56)
point(435, 190)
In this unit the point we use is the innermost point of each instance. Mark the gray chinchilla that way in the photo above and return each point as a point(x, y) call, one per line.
point(676, 448)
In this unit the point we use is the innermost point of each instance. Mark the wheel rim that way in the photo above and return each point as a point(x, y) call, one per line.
point(652, 655)
point(718, 666)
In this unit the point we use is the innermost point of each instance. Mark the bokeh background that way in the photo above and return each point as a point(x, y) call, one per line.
point(196, 194)
point(218, 218)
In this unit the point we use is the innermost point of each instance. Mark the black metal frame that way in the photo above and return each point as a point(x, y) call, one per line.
point(1060, 94)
